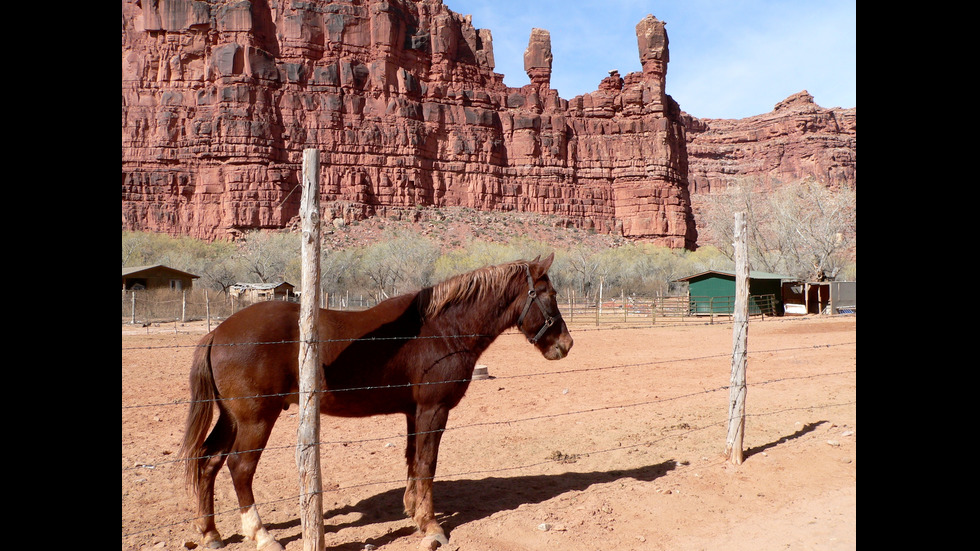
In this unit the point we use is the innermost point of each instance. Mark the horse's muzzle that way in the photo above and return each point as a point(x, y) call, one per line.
point(561, 347)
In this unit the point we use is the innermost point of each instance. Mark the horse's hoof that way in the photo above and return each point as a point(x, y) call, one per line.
point(433, 541)
point(213, 542)
point(272, 545)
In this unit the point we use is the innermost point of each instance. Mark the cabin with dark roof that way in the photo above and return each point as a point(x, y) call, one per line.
point(137, 278)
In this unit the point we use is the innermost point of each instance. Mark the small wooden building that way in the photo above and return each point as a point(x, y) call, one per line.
point(713, 292)
point(824, 297)
point(257, 292)
point(156, 277)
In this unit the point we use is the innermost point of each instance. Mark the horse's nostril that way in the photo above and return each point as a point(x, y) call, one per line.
point(561, 349)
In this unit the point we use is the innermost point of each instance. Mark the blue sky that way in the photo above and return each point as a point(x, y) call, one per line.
point(728, 58)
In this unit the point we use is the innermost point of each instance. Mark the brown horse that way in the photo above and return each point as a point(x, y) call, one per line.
point(413, 354)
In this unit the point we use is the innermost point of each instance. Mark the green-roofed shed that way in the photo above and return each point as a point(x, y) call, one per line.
point(713, 292)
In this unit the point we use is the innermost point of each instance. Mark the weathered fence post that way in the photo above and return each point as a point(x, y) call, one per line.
point(740, 330)
point(598, 308)
point(308, 436)
point(571, 309)
point(207, 309)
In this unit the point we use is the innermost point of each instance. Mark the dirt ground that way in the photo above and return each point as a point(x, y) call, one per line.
point(619, 446)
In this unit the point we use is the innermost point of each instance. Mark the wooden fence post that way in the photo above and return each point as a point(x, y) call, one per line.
point(740, 330)
point(308, 436)
point(571, 309)
point(598, 306)
point(207, 309)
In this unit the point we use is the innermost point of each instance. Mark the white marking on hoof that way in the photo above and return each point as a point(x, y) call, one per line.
point(254, 530)
point(433, 541)
point(272, 546)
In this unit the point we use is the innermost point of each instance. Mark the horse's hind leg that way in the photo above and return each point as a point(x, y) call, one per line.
point(213, 457)
point(242, 463)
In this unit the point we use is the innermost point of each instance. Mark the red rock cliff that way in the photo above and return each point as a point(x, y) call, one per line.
point(220, 98)
point(798, 138)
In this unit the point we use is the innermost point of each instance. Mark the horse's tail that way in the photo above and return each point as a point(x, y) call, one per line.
point(203, 394)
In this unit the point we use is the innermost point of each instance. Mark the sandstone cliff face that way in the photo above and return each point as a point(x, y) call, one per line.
point(221, 97)
point(797, 139)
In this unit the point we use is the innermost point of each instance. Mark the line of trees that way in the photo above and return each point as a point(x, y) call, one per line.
point(402, 262)
point(805, 230)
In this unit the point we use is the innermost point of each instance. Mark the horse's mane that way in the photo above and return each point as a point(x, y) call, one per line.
point(471, 286)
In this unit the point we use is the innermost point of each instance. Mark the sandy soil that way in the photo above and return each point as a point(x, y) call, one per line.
point(619, 446)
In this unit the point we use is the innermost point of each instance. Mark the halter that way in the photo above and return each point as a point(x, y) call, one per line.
point(532, 296)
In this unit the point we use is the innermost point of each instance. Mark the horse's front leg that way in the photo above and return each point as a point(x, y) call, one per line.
point(409, 498)
point(430, 422)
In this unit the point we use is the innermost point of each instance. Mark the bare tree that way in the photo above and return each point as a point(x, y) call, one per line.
point(585, 270)
point(804, 229)
point(134, 248)
point(265, 256)
point(218, 273)
point(818, 227)
point(399, 263)
point(748, 196)
point(338, 270)
point(417, 258)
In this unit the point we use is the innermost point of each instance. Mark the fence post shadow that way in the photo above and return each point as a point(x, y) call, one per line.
point(807, 428)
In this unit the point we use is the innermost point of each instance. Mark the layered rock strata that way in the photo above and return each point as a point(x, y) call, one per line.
point(220, 98)
point(797, 139)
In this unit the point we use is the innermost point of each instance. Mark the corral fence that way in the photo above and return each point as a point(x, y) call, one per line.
point(639, 310)
point(143, 307)
point(165, 305)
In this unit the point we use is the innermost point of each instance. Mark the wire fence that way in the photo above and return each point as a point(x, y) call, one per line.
point(147, 307)
point(583, 319)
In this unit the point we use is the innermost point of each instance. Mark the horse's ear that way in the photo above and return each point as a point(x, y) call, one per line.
point(546, 263)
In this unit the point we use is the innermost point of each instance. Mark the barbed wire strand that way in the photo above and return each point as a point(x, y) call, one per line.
point(140, 465)
point(456, 381)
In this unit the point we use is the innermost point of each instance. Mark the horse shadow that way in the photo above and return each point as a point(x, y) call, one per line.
point(465, 500)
